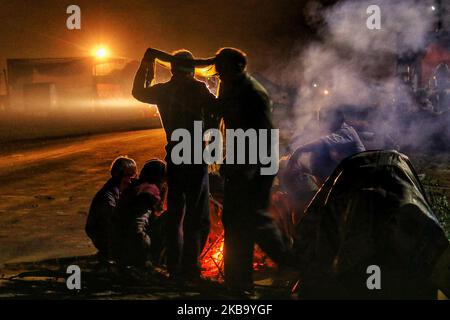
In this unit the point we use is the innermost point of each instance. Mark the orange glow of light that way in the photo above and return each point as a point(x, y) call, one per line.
point(100, 52)
point(212, 263)
point(218, 254)
point(205, 72)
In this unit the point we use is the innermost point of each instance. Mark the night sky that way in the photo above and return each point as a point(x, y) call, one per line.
point(263, 28)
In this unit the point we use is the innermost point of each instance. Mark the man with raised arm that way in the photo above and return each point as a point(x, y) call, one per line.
point(180, 101)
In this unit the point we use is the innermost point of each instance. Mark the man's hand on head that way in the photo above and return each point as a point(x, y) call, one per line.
point(149, 55)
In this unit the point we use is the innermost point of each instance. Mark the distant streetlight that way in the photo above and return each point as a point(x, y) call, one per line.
point(101, 52)
point(326, 92)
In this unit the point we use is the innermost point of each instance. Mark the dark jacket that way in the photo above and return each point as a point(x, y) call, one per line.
point(131, 245)
point(180, 101)
point(99, 222)
point(244, 104)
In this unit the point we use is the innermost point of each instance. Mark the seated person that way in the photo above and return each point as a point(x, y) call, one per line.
point(297, 187)
point(327, 152)
point(135, 215)
point(98, 226)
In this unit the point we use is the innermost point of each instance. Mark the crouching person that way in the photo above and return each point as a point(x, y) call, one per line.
point(135, 214)
point(99, 222)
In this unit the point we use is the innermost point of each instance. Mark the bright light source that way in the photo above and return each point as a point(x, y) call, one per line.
point(326, 92)
point(433, 8)
point(101, 52)
point(315, 85)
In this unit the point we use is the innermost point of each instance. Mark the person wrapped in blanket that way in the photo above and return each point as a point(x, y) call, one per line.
point(327, 152)
point(302, 178)
point(137, 240)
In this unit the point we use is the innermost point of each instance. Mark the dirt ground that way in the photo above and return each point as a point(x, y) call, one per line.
point(45, 192)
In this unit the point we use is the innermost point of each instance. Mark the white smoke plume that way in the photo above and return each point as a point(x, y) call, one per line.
point(355, 65)
point(404, 25)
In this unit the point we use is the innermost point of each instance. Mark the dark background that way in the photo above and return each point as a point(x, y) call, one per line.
point(263, 28)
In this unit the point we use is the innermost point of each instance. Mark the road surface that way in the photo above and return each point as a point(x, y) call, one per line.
point(45, 192)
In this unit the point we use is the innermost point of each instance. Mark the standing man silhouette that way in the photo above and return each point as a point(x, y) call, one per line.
point(244, 104)
point(180, 101)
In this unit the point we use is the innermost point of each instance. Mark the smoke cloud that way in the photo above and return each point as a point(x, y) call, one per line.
point(353, 65)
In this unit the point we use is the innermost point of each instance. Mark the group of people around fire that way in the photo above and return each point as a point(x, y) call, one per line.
point(127, 222)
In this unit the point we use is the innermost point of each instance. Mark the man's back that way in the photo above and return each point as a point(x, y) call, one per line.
point(180, 102)
point(245, 104)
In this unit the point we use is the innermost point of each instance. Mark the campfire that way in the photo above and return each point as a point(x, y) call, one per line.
point(212, 257)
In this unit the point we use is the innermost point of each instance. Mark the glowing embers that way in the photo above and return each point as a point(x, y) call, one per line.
point(212, 258)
